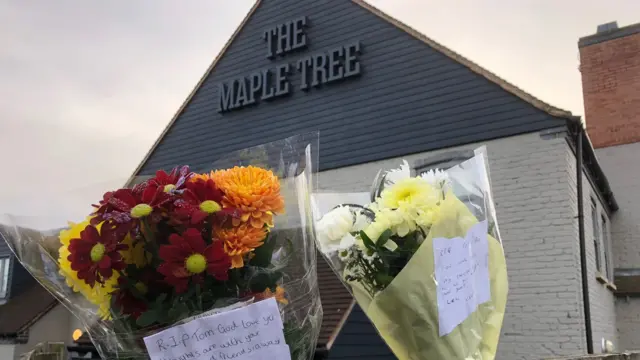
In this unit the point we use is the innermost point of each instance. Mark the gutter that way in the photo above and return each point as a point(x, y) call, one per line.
point(583, 246)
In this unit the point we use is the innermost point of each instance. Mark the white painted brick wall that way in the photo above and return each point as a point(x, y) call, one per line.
point(622, 166)
point(602, 300)
point(531, 184)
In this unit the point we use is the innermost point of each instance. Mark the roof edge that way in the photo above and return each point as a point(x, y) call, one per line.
point(592, 165)
point(194, 91)
point(505, 85)
point(25, 328)
point(340, 325)
point(605, 36)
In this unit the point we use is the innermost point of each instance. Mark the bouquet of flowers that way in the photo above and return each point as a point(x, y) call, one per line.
point(424, 260)
point(217, 264)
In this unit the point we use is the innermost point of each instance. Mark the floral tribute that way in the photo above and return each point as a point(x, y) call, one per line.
point(376, 241)
point(176, 245)
point(424, 261)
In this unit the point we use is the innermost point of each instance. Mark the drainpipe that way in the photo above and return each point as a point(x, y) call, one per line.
point(583, 245)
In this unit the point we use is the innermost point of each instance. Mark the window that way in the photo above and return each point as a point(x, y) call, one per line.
point(595, 221)
point(606, 247)
point(4, 277)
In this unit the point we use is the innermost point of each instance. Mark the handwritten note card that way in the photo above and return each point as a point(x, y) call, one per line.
point(462, 274)
point(253, 332)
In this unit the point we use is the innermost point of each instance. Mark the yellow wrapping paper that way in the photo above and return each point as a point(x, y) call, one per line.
point(406, 312)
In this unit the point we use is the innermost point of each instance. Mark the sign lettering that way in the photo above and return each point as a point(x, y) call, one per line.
point(315, 70)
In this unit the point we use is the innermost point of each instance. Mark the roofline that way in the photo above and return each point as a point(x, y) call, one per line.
point(505, 85)
point(340, 325)
point(511, 88)
point(195, 90)
point(596, 175)
point(605, 36)
point(38, 316)
point(22, 334)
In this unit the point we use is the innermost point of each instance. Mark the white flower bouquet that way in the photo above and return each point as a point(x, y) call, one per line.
point(424, 260)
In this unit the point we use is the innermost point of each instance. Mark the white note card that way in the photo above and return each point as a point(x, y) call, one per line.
point(462, 275)
point(253, 332)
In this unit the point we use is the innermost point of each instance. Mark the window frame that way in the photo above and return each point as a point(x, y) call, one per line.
point(606, 246)
point(596, 232)
point(5, 269)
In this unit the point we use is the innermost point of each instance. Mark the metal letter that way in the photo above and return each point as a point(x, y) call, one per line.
point(319, 70)
point(268, 37)
point(303, 65)
point(282, 85)
point(299, 35)
point(241, 94)
point(336, 70)
point(284, 37)
point(255, 85)
point(225, 96)
point(267, 91)
point(351, 62)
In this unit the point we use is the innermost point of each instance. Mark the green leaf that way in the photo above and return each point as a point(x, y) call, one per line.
point(173, 313)
point(367, 241)
point(384, 237)
point(179, 311)
point(147, 318)
point(260, 282)
point(160, 299)
point(264, 253)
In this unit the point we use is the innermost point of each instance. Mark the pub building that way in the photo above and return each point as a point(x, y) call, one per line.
point(379, 92)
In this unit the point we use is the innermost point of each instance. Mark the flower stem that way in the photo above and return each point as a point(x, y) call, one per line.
point(147, 235)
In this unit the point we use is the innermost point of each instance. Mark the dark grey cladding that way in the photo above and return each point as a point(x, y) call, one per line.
point(407, 97)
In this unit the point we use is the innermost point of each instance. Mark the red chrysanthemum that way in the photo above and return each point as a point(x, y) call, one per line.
point(129, 298)
point(200, 199)
point(124, 208)
point(188, 257)
point(173, 181)
point(128, 303)
point(95, 255)
point(104, 206)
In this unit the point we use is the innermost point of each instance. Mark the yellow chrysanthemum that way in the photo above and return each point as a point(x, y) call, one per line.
point(136, 253)
point(100, 294)
point(253, 190)
point(410, 193)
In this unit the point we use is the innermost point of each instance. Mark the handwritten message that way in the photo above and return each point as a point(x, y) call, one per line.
point(462, 274)
point(253, 332)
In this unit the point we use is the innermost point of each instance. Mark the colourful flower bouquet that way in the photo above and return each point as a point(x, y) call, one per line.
point(424, 260)
point(184, 247)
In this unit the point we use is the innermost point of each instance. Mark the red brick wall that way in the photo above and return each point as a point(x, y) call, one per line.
point(611, 89)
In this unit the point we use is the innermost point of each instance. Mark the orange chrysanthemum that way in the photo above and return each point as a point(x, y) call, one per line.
point(240, 241)
point(252, 190)
point(204, 177)
point(279, 294)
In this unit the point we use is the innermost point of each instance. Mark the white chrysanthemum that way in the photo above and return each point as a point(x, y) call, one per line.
point(369, 255)
point(335, 228)
point(345, 255)
point(395, 175)
point(436, 178)
point(361, 222)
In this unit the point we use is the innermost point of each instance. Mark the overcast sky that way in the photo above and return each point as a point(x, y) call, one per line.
point(87, 86)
